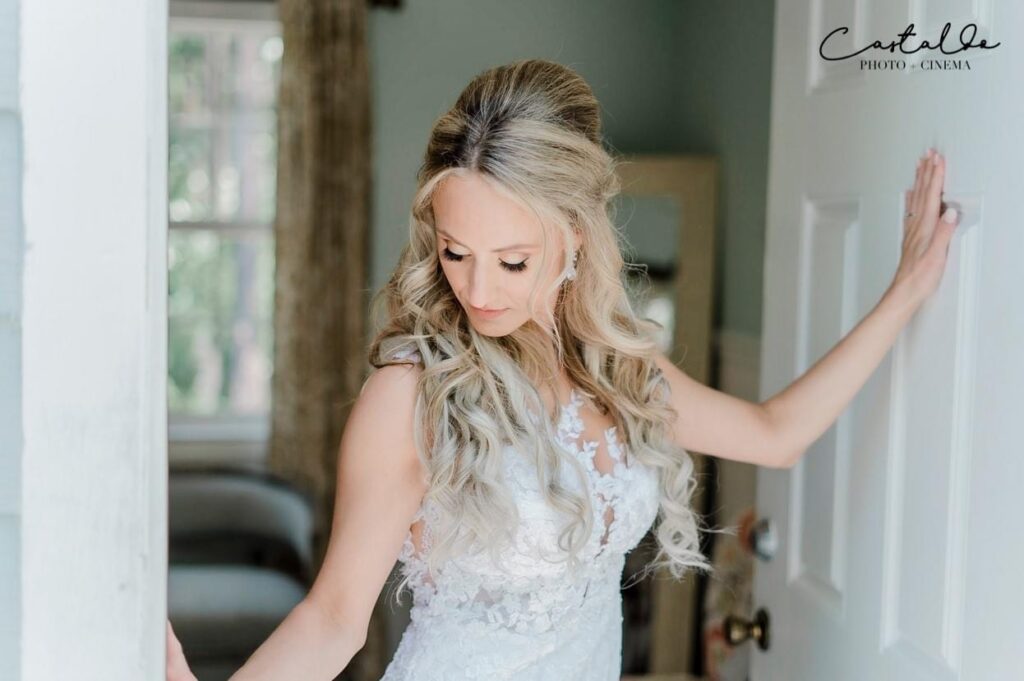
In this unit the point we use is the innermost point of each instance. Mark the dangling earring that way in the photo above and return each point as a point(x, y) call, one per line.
point(570, 273)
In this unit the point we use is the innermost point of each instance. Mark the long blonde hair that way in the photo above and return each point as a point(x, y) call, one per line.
point(533, 129)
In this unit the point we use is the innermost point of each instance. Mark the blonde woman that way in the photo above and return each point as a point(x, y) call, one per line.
point(521, 432)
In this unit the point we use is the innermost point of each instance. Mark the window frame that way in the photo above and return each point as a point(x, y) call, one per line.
point(238, 439)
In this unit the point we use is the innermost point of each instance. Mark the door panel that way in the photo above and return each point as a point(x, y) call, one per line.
point(900, 550)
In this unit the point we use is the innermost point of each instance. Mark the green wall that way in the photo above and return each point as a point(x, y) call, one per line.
point(723, 107)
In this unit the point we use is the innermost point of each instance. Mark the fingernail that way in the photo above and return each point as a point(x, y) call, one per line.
point(950, 215)
point(935, 160)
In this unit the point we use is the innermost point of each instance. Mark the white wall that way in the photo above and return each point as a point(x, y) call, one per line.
point(82, 343)
point(10, 343)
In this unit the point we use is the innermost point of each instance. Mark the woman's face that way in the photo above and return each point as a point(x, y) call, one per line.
point(490, 249)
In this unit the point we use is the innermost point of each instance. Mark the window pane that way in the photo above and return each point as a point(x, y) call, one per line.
point(222, 129)
point(220, 310)
point(222, 92)
point(190, 195)
point(186, 73)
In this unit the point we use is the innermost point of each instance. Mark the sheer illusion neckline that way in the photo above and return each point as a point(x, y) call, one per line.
point(528, 615)
point(570, 428)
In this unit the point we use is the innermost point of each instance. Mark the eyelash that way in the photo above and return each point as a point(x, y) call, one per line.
point(511, 267)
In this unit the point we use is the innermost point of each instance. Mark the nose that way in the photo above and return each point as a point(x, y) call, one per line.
point(480, 282)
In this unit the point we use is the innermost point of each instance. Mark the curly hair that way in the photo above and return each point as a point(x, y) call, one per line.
point(532, 128)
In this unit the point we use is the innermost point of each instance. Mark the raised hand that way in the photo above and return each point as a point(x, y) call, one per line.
point(926, 237)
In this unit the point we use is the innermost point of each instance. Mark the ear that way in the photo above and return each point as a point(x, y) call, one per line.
point(577, 239)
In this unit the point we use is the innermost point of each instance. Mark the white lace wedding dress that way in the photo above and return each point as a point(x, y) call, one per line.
point(534, 621)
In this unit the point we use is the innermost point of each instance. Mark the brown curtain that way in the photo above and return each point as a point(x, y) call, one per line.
point(322, 249)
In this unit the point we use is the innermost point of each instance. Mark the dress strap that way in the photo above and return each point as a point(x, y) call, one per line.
point(407, 353)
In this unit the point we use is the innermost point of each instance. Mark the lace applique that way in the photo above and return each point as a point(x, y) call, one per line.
point(609, 486)
point(531, 618)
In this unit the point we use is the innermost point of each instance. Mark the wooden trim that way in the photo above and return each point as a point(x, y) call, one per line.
point(692, 182)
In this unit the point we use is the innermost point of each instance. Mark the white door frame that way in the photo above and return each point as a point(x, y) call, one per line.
point(91, 571)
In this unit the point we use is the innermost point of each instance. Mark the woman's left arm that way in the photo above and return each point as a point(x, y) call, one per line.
point(806, 408)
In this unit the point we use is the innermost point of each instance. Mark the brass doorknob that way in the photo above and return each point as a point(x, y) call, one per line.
point(737, 630)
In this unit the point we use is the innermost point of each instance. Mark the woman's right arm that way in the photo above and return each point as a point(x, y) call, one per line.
point(380, 485)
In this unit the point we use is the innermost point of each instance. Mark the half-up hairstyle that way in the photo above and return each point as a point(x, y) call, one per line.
point(532, 129)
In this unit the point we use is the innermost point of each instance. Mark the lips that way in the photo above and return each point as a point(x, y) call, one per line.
point(486, 312)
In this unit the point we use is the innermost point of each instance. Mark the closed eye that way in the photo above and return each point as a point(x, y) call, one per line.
point(510, 266)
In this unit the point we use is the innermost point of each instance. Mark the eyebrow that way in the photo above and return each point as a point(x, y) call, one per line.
point(513, 247)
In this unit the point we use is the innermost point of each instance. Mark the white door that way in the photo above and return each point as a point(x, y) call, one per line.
point(900, 543)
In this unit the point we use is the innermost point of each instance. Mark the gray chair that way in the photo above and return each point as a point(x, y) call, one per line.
point(240, 554)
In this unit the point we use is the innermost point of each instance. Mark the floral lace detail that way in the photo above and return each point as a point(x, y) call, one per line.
point(609, 486)
point(531, 617)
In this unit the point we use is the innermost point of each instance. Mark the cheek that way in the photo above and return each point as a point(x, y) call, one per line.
point(517, 290)
point(452, 275)
point(518, 293)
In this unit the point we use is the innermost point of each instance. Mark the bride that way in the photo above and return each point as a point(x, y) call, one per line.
point(520, 432)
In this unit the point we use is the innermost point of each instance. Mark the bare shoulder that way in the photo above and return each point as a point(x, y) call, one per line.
point(388, 396)
point(392, 380)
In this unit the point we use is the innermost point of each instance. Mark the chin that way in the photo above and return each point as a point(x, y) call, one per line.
point(493, 330)
point(497, 328)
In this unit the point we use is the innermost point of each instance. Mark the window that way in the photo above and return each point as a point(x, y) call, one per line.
point(223, 69)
